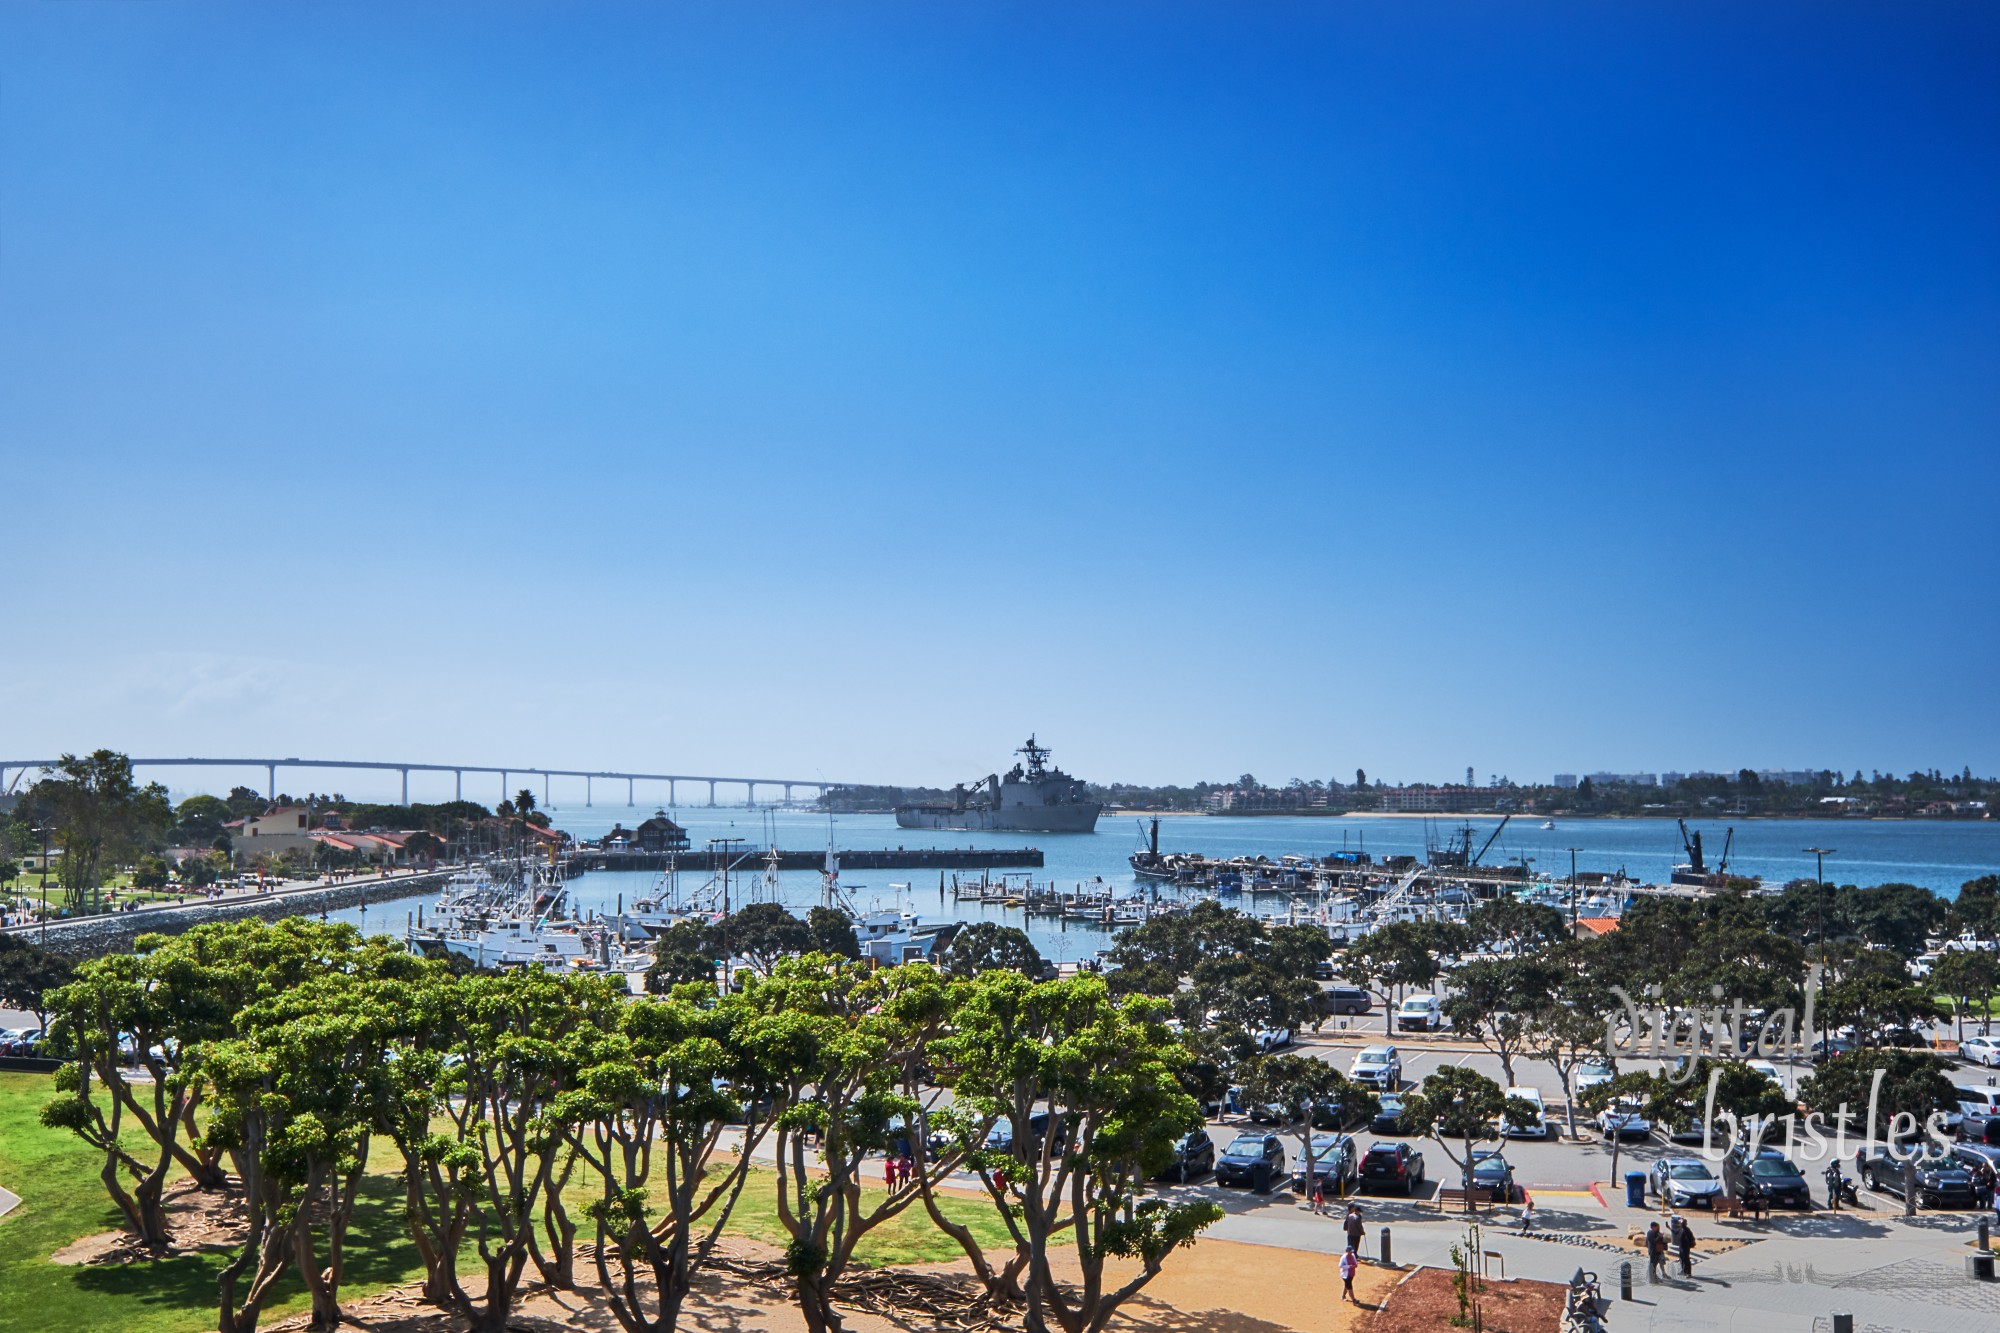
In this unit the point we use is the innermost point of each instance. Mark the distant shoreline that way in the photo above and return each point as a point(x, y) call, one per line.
point(1496, 814)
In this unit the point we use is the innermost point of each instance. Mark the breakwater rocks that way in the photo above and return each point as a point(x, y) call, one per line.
point(94, 936)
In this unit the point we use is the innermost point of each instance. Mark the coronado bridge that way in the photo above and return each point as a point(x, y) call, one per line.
point(506, 774)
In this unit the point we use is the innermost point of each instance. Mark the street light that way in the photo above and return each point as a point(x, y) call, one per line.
point(1819, 897)
point(43, 829)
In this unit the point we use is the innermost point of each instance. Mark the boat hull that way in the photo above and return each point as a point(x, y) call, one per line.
point(1076, 818)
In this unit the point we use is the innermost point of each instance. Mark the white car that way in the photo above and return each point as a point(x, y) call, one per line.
point(1980, 1051)
point(1378, 1067)
point(1624, 1120)
point(1768, 1070)
point(1272, 1039)
point(1539, 1127)
point(1591, 1075)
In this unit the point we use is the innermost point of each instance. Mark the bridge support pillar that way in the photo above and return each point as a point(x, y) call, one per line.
point(670, 793)
point(788, 793)
point(711, 793)
point(545, 791)
point(271, 782)
point(458, 784)
point(628, 791)
point(750, 794)
point(406, 787)
point(503, 784)
point(586, 791)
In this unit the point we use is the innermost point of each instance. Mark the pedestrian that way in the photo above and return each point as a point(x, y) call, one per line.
point(889, 1171)
point(1833, 1186)
point(1319, 1194)
point(1656, 1253)
point(1528, 1216)
point(1684, 1245)
point(1353, 1227)
point(908, 1167)
point(1350, 1264)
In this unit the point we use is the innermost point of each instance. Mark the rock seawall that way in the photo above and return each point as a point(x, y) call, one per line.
point(93, 936)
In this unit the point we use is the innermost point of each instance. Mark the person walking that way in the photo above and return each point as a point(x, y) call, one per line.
point(1528, 1216)
point(1350, 1264)
point(1684, 1245)
point(1656, 1253)
point(1833, 1186)
point(1353, 1227)
point(1319, 1194)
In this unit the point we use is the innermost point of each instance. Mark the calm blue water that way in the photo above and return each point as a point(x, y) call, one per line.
point(1938, 855)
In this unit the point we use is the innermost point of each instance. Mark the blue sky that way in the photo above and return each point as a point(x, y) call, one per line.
point(850, 389)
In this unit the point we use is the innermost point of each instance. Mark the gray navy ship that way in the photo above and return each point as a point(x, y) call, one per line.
point(1033, 798)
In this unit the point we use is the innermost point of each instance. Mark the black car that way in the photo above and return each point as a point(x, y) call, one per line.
point(1943, 1181)
point(1193, 1156)
point(1335, 1161)
point(1388, 1114)
point(1395, 1166)
point(1770, 1173)
point(1490, 1171)
point(1256, 1160)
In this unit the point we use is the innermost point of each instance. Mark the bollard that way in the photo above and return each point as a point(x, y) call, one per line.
point(1625, 1281)
point(1387, 1262)
point(1985, 1234)
point(1843, 1323)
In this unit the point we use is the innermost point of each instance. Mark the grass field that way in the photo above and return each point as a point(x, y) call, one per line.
point(56, 1176)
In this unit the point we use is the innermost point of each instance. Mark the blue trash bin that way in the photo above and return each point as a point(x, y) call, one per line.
point(1635, 1189)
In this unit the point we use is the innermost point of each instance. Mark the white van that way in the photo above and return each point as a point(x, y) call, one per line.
point(1538, 1128)
point(1420, 1013)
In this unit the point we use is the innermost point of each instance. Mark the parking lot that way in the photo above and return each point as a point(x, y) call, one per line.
point(1557, 1163)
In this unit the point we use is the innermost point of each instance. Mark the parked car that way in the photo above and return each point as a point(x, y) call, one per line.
point(1684, 1182)
point(1193, 1156)
point(1388, 1114)
point(1822, 1051)
point(1345, 1000)
point(1272, 1039)
point(1336, 1160)
point(1256, 1160)
point(1001, 1137)
point(1589, 1076)
point(1490, 1171)
point(1539, 1127)
point(1395, 1166)
point(1769, 1171)
point(1377, 1067)
point(1978, 1159)
point(1623, 1120)
point(1980, 1051)
point(1420, 1013)
point(1979, 1113)
point(1768, 1070)
point(1943, 1180)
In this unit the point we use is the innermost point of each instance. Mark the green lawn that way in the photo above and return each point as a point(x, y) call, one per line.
point(908, 1238)
point(63, 1200)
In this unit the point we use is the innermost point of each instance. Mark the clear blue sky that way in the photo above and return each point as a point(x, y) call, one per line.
point(1208, 388)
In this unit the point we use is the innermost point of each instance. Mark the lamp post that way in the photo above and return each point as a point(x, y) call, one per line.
point(43, 829)
point(1819, 897)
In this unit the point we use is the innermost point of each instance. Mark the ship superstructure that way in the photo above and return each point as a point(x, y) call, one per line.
point(1034, 797)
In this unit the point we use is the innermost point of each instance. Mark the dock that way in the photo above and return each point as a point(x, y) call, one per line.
point(890, 858)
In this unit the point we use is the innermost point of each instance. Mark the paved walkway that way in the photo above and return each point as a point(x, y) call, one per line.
point(1893, 1275)
point(9, 1201)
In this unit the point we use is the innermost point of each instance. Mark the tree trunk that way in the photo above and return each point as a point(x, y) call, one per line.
point(1910, 1186)
point(816, 1304)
